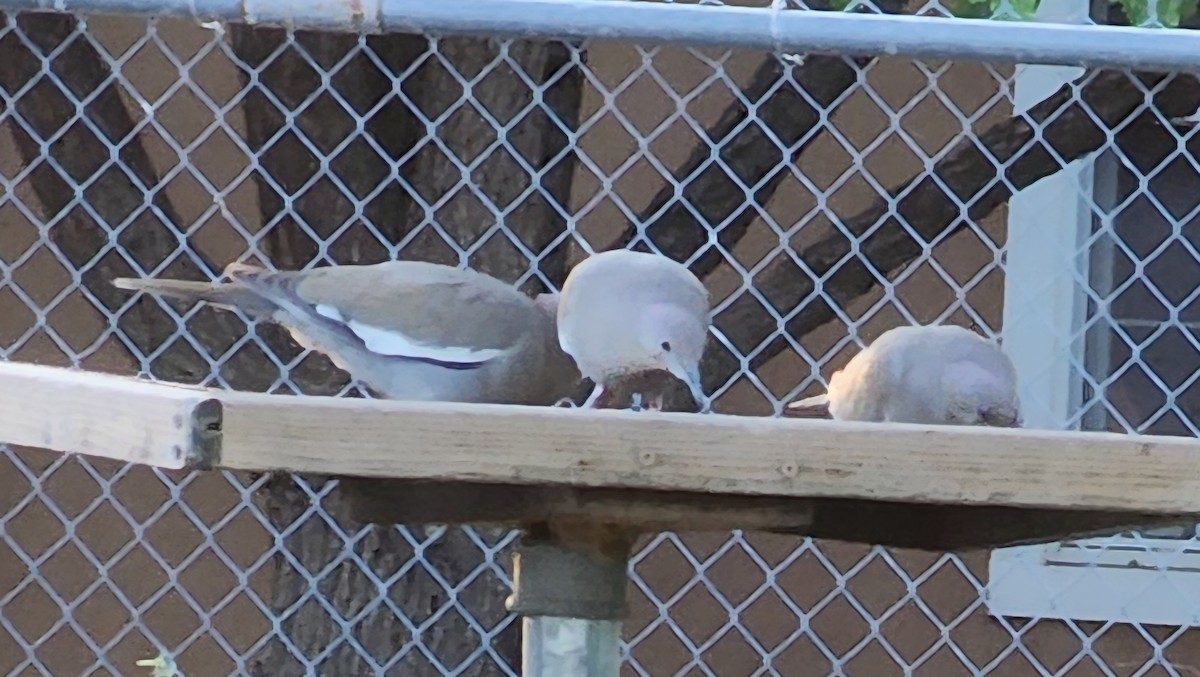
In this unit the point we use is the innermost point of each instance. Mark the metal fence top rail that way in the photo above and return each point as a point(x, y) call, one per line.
point(764, 28)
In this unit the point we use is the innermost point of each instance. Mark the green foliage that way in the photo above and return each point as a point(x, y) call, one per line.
point(1170, 12)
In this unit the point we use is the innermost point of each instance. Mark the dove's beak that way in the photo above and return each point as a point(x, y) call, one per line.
point(690, 375)
point(999, 417)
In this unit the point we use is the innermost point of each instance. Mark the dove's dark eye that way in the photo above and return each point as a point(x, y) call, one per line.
point(666, 345)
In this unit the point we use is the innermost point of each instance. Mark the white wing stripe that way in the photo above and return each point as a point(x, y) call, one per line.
point(384, 342)
point(328, 312)
point(395, 344)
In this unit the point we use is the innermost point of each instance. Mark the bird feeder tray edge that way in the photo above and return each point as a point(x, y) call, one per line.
point(932, 487)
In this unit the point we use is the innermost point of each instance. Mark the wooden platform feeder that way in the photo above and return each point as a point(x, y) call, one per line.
point(582, 484)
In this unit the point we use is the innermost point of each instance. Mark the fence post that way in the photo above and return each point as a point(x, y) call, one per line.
point(569, 587)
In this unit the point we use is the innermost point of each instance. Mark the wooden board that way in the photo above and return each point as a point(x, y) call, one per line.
point(935, 527)
point(712, 454)
point(110, 416)
point(949, 485)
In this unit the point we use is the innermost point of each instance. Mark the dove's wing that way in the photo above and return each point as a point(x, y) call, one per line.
point(404, 309)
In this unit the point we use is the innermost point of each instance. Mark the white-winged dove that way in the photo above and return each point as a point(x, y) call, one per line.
point(409, 330)
point(937, 375)
point(623, 312)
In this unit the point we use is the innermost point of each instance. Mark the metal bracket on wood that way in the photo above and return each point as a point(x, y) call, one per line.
point(570, 589)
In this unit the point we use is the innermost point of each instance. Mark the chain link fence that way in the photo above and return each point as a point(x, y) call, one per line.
point(822, 199)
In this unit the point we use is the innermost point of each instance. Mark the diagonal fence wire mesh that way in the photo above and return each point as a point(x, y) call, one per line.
point(822, 199)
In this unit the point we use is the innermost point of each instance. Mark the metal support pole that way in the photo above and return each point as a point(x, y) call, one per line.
point(571, 595)
point(570, 646)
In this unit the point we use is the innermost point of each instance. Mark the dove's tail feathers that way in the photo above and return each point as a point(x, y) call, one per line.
point(229, 296)
point(176, 289)
point(816, 406)
point(239, 272)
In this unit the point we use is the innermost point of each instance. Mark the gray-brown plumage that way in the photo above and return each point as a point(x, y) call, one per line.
point(937, 375)
point(624, 313)
point(409, 330)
